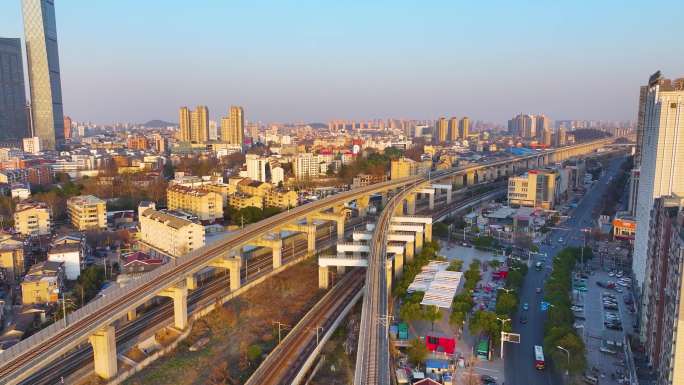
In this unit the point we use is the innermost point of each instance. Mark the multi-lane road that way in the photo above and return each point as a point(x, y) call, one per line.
point(519, 358)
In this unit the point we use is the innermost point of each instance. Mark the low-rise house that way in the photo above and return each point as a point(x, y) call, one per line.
point(33, 218)
point(42, 283)
point(12, 258)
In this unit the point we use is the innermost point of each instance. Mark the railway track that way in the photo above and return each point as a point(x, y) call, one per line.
point(206, 294)
point(285, 361)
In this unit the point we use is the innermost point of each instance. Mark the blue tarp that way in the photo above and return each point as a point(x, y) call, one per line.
point(436, 364)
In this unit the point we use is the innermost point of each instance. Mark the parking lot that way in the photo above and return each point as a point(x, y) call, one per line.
point(604, 315)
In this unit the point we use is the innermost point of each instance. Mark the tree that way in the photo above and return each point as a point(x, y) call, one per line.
point(457, 318)
point(220, 375)
point(432, 314)
point(455, 265)
point(485, 322)
point(254, 352)
point(506, 303)
point(410, 311)
point(417, 351)
point(441, 230)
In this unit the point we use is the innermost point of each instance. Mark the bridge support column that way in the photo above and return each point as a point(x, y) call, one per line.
point(398, 265)
point(470, 178)
point(132, 315)
point(309, 230)
point(338, 218)
point(409, 251)
point(362, 205)
point(191, 282)
point(233, 265)
point(104, 352)
point(323, 277)
point(428, 232)
point(411, 204)
point(275, 243)
point(179, 295)
point(388, 273)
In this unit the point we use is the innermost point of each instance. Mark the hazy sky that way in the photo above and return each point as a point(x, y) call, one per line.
point(133, 60)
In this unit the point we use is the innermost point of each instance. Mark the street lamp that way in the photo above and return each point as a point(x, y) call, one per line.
point(568, 353)
point(503, 321)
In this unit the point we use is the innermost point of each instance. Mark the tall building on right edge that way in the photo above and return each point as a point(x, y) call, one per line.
point(40, 32)
point(661, 171)
point(662, 328)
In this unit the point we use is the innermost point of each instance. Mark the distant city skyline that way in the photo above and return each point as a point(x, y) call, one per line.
point(315, 62)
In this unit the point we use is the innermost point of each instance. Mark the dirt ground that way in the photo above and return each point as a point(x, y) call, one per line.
point(241, 333)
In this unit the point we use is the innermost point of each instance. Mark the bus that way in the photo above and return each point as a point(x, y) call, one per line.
point(482, 349)
point(538, 357)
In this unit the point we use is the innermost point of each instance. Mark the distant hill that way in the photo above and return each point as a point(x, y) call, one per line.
point(158, 124)
point(318, 125)
point(586, 134)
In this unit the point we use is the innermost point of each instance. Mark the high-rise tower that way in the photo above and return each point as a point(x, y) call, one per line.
point(441, 130)
point(13, 119)
point(184, 123)
point(662, 165)
point(453, 129)
point(233, 126)
point(40, 32)
point(199, 124)
point(464, 128)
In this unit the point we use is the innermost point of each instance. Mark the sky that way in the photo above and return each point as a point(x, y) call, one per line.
point(312, 61)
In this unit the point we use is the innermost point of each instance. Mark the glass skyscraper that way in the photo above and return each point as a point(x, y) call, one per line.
point(40, 32)
point(13, 118)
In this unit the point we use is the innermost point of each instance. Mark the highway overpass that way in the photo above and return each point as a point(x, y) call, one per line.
point(93, 322)
point(372, 358)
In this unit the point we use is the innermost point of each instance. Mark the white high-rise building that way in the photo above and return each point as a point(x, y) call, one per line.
point(257, 167)
point(662, 165)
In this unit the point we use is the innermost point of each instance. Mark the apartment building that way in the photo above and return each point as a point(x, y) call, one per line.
point(205, 204)
point(240, 201)
point(168, 232)
point(33, 218)
point(42, 283)
point(536, 188)
point(664, 348)
point(306, 166)
point(87, 212)
point(12, 258)
point(404, 167)
point(281, 198)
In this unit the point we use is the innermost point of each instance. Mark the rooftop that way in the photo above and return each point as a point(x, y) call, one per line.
point(86, 200)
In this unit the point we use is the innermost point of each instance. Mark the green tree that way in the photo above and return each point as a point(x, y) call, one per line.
point(506, 303)
point(455, 265)
point(441, 230)
point(485, 322)
point(417, 352)
point(457, 318)
point(432, 314)
point(410, 311)
point(254, 352)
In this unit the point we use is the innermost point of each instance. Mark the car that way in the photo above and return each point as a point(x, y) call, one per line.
point(560, 240)
point(523, 319)
point(611, 274)
point(487, 380)
point(538, 290)
point(619, 290)
point(526, 306)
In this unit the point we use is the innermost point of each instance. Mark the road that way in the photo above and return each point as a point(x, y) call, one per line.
point(30, 355)
point(520, 357)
